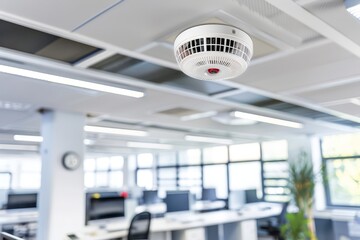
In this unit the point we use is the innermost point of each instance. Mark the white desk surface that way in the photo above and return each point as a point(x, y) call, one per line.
point(252, 211)
point(16, 216)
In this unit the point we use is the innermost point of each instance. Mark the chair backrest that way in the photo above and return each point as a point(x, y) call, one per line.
point(140, 226)
point(282, 216)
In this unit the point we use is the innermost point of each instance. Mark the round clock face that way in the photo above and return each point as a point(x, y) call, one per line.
point(71, 161)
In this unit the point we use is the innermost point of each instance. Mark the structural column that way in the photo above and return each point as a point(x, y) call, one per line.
point(61, 200)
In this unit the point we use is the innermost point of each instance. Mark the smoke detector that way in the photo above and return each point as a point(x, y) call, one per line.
point(213, 51)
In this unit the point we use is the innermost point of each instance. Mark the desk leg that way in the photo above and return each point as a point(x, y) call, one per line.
point(244, 230)
point(160, 235)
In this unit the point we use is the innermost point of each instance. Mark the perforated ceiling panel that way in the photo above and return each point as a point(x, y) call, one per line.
point(270, 13)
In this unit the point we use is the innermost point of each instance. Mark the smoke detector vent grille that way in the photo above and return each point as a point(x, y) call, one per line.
point(211, 52)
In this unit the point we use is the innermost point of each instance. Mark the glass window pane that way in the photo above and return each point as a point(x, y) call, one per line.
point(167, 159)
point(216, 155)
point(116, 179)
point(145, 160)
point(89, 165)
point(116, 163)
point(344, 145)
point(5, 180)
point(29, 180)
point(102, 164)
point(145, 178)
point(215, 176)
point(276, 170)
point(190, 157)
point(243, 152)
point(275, 150)
point(245, 176)
point(31, 166)
point(344, 181)
point(101, 179)
point(89, 180)
point(167, 173)
point(190, 172)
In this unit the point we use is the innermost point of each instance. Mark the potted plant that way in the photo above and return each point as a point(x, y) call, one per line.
point(302, 181)
point(296, 227)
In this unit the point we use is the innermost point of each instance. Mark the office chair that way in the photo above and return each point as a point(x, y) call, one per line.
point(7, 236)
point(140, 226)
point(273, 227)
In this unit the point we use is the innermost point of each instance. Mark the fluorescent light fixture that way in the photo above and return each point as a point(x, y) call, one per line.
point(149, 145)
point(353, 7)
point(28, 138)
point(198, 115)
point(15, 106)
point(89, 142)
point(18, 147)
point(270, 120)
point(355, 101)
point(116, 131)
point(70, 82)
point(193, 138)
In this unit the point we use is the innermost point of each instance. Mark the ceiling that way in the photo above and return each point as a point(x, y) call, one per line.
point(305, 68)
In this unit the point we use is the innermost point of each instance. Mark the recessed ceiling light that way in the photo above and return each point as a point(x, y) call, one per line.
point(194, 138)
point(198, 115)
point(116, 131)
point(270, 120)
point(70, 82)
point(89, 142)
point(149, 145)
point(18, 147)
point(355, 101)
point(28, 138)
point(353, 7)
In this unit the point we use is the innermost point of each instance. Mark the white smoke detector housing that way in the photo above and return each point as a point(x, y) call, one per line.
point(213, 51)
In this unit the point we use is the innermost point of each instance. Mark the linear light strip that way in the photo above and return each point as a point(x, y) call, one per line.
point(28, 138)
point(198, 116)
point(70, 82)
point(18, 147)
point(193, 138)
point(117, 131)
point(149, 145)
point(270, 120)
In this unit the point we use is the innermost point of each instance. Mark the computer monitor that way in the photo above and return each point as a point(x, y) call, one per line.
point(21, 200)
point(251, 196)
point(208, 194)
point(7, 236)
point(150, 197)
point(177, 201)
point(105, 205)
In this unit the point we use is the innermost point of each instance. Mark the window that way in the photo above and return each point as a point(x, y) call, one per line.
point(215, 176)
point(144, 173)
point(215, 155)
point(245, 176)
point(104, 172)
point(341, 156)
point(275, 171)
point(190, 179)
point(30, 175)
point(245, 152)
point(5, 180)
point(190, 157)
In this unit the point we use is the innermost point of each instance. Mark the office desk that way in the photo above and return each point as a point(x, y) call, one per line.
point(22, 222)
point(220, 225)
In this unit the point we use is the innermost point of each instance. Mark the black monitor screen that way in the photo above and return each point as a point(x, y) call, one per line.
point(104, 206)
point(209, 194)
point(177, 201)
point(251, 196)
point(150, 197)
point(21, 200)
